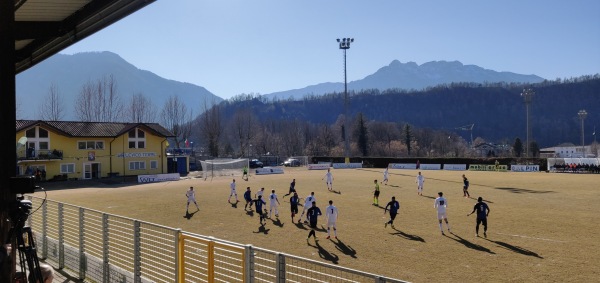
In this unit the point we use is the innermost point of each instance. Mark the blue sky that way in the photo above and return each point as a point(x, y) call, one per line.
point(263, 46)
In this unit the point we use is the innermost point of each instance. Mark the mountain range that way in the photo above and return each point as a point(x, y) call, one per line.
point(70, 72)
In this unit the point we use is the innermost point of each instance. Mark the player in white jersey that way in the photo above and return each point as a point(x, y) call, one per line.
point(332, 215)
point(233, 192)
point(385, 176)
point(329, 180)
point(191, 197)
point(420, 181)
point(261, 192)
point(441, 204)
point(307, 204)
point(273, 202)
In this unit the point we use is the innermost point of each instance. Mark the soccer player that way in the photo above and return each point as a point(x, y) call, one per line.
point(394, 206)
point(248, 198)
point(292, 188)
point(329, 180)
point(294, 202)
point(376, 194)
point(233, 192)
point(466, 187)
point(191, 197)
point(441, 204)
point(258, 205)
point(420, 181)
point(307, 205)
point(260, 193)
point(312, 215)
point(273, 202)
point(483, 211)
point(385, 176)
point(332, 214)
point(245, 173)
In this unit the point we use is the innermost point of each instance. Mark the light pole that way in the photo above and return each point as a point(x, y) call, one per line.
point(345, 45)
point(582, 115)
point(527, 95)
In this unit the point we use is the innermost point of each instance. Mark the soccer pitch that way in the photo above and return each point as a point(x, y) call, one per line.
point(541, 225)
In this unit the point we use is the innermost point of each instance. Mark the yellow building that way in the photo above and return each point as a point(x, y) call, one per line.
point(90, 150)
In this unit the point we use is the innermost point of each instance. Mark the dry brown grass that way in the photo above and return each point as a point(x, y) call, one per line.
point(541, 226)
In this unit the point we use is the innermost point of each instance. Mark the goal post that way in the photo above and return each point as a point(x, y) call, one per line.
point(223, 167)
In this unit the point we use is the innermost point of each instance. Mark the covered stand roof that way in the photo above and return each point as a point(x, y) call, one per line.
point(45, 27)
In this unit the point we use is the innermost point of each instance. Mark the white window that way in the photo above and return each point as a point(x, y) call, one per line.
point(67, 168)
point(137, 165)
point(153, 164)
point(137, 138)
point(90, 145)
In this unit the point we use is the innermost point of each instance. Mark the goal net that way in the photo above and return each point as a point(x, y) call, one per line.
point(223, 167)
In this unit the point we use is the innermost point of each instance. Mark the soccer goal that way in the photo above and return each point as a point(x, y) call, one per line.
point(223, 167)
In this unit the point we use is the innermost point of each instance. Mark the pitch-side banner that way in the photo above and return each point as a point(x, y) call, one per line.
point(158, 178)
point(268, 170)
point(320, 166)
point(403, 165)
point(347, 165)
point(525, 168)
point(455, 167)
point(430, 167)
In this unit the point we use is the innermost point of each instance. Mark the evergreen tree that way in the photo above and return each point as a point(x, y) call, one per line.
point(518, 147)
point(534, 148)
point(361, 133)
point(407, 132)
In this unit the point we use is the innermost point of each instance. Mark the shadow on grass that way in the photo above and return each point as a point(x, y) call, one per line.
point(323, 253)
point(233, 204)
point(262, 229)
point(515, 249)
point(345, 249)
point(277, 222)
point(523, 191)
point(428, 197)
point(408, 236)
point(300, 225)
point(190, 215)
point(468, 244)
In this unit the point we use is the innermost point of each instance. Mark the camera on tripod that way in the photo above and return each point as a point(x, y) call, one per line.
point(19, 211)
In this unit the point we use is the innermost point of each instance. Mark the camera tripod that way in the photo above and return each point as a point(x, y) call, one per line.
point(26, 244)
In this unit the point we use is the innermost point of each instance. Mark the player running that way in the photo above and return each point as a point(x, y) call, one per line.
point(394, 206)
point(441, 204)
point(273, 202)
point(258, 205)
point(233, 192)
point(420, 181)
point(294, 202)
point(307, 205)
point(191, 197)
point(292, 188)
point(248, 198)
point(385, 176)
point(483, 211)
point(312, 215)
point(261, 192)
point(329, 179)
point(332, 214)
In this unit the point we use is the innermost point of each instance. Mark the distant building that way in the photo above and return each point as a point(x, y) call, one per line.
point(90, 150)
point(569, 150)
point(492, 150)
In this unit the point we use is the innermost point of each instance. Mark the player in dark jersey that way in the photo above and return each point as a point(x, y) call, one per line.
point(466, 187)
point(312, 215)
point(294, 201)
point(292, 188)
point(394, 206)
point(483, 210)
point(258, 204)
point(248, 198)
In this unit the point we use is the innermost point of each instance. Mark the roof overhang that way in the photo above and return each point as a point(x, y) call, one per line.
point(45, 27)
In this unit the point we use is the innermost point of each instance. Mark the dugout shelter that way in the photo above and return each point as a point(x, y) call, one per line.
point(31, 31)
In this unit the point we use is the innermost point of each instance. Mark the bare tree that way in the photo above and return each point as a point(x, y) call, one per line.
point(244, 126)
point(141, 109)
point(99, 101)
point(176, 117)
point(52, 108)
point(210, 127)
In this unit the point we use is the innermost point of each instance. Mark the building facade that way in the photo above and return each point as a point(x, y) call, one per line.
point(58, 150)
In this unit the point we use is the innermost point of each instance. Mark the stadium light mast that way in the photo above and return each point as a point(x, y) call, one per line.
point(345, 45)
point(582, 115)
point(527, 95)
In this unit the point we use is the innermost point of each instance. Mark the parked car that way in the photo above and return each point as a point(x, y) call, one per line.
point(255, 163)
point(291, 162)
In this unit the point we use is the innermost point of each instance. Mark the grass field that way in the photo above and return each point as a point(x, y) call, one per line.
point(541, 225)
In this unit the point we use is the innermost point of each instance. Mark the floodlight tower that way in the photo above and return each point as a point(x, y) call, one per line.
point(345, 45)
point(527, 95)
point(582, 115)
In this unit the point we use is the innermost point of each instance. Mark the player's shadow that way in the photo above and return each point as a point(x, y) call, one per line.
point(250, 213)
point(189, 216)
point(324, 254)
point(469, 244)
point(277, 222)
point(262, 229)
point(428, 197)
point(234, 204)
point(523, 191)
point(516, 249)
point(395, 186)
point(322, 229)
point(300, 226)
point(408, 236)
point(336, 192)
point(379, 206)
point(345, 249)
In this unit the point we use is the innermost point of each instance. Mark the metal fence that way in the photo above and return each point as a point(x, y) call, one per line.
point(100, 247)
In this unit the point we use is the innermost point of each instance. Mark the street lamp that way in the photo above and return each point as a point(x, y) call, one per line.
point(582, 115)
point(527, 95)
point(345, 45)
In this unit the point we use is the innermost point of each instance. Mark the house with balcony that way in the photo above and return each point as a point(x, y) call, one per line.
point(57, 150)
